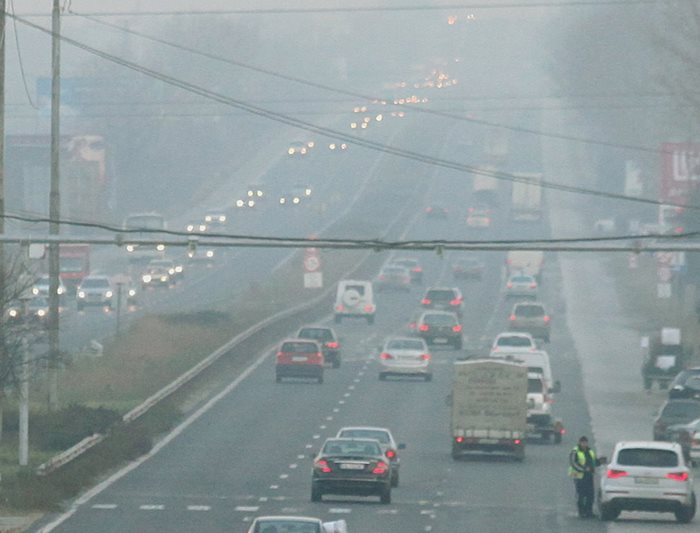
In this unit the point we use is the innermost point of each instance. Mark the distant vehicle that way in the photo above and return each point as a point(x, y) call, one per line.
point(386, 441)
point(299, 358)
point(664, 358)
point(675, 412)
point(467, 268)
point(354, 298)
point(489, 408)
point(300, 148)
point(255, 192)
point(526, 197)
point(74, 260)
point(440, 327)
point(41, 287)
point(686, 384)
point(479, 217)
point(38, 310)
point(413, 265)
point(14, 312)
point(513, 342)
point(215, 218)
point(295, 524)
point(521, 286)
point(94, 290)
point(405, 356)
point(149, 223)
point(412, 324)
point(528, 262)
point(290, 199)
point(303, 190)
point(485, 187)
point(393, 277)
point(436, 211)
point(196, 226)
point(647, 476)
point(444, 299)
point(328, 339)
point(157, 275)
point(351, 466)
point(337, 146)
point(532, 318)
point(536, 361)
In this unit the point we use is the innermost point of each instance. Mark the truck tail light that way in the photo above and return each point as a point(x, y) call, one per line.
point(332, 344)
point(459, 440)
point(455, 301)
point(512, 318)
point(547, 318)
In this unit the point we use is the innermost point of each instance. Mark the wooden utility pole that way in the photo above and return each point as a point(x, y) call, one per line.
point(3, 303)
point(54, 207)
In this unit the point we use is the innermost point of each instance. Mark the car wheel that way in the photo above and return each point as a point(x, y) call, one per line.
point(338, 319)
point(320, 379)
point(370, 320)
point(385, 496)
point(336, 362)
point(395, 479)
point(686, 514)
point(609, 513)
point(316, 494)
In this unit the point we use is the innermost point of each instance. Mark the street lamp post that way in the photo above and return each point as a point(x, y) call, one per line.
point(24, 391)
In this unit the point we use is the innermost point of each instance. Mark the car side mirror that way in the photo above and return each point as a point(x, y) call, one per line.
point(602, 460)
point(402, 446)
point(556, 388)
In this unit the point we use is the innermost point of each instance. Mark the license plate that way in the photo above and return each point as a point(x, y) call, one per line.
point(488, 441)
point(439, 340)
point(299, 358)
point(351, 466)
point(646, 480)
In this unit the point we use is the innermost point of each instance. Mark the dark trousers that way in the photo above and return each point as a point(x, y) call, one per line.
point(584, 495)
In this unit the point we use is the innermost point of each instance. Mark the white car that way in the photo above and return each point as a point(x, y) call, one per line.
point(386, 441)
point(513, 342)
point(647, 476)
point(521, 286)
point(41, 287)
point(94, 290)
point(405, 356)
point(296, 524)
point(354, 298)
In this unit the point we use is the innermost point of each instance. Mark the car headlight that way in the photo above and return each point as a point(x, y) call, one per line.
point(132, 292)
point(222, 218)
point(35, 291)
point(81, 294)
point(13, 313)
point(60, 290)
point(147, 278)
point(331, 146)
point(250, 193)
point(178, 269)
point(108, 294)
point(164, 278)
point(210, 253)
point(190, 228)
point(40, 313)
point(296, 200)
point(160, 247)
point(130, 248)
point(202, 228)
point(207, 218)
point(171, 271)
point(240, 203)
point(251, 203)
point(290, 151)
point(307, 191)
point(260, 193)
point(283, 200)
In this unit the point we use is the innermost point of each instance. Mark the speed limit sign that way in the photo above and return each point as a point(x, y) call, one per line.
point(311, 263)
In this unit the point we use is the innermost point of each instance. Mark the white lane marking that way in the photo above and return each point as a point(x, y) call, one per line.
point(290, 510)
point(246, 508)
point(347, 395)
point(336, 410)
point(356, 380)
point(339, 510)
point(427, 512)
point(329, 418)
point(341, 402)
point(284, 476)
point(105, 506)
point(322, 426)
point(293, 466)
point(316, 437)
point(198, 508)
point(351, 387)
point(388, 511)
point(428, 528)
point(274, 487)
point(262, 499)
point(309, 446)
point(97, 489)
point(361, 373)
point(301, 456)
point(152, 507)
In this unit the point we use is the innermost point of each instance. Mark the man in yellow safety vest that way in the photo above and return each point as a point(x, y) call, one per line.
point(582, 464)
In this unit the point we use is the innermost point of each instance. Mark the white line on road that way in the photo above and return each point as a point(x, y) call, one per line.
point(198, 508)
point(316, 437)
point(284, 476)
point(339, 510)
point(152, 507)
point(329, 418)
point(274, 487)
point(105, 506)
point(246, 508)
point(336, 410)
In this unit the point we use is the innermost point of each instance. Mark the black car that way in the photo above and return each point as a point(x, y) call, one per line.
point(351, 466)
point(328, 340)
point(673, 413)
point(443, 299)
point(413, 266)
point(440, 327)
point(686, 384)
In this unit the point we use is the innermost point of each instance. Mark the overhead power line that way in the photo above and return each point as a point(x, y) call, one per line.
point(368, 98)
point(338, 135)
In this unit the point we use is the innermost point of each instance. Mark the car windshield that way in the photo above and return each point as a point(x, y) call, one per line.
point(439, 319)
point(647, 457)
point(687, 411)
point(299, 347)
point(287, 526)
point(514, 340)
point(440, 294)
point(321, 334)
point(529, 311)
point(522, 279)
point(352, 447)
point(394, 270)
point(405, 344)
point(94, 283)
point(377, 434)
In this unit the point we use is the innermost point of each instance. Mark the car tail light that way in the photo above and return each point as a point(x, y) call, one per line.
point(547, 318)
point(517, 442)
point(509, 284)
point(322, 465)
point(425, 357)
point(382, 277)
point(426, 301)
point(331, 344)
point(380, 468)
point(416, 269)
point(369, 308)
point(678, 476)
point(459, 440)
point(455, 301)
point(411, 325)
point(339, 308)
point(280, 355)
point(424, 327)
point(533, 285)
point(457, 328)
point(385, 356)
point(391, 454)
point(614, 474)
point(512, 318)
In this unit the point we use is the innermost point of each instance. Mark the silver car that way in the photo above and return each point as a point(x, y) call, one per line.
point(295, 524)
point(405, 356)
point(386, 441)
point(521, 286)
point(94, 290)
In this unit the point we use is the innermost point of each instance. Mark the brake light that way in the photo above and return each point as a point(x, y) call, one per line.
point(509, 284)
point(391, 454)
point(369, 308)
point(425, 357)
point(459, 440)
point(322, 465)
point(547, 318)
point(678, 476)
point(385, 356)
point(332, 344)
point(455, 301)
point(280, 355)
point(512, 318)
point(517, 442)
point(457, 328)
point(416, 269)
point(426, 301)
point(339, 307)
point(428, 209)
point(533, 285)
point(424, 327)
point(614, 474)
point(380, 468)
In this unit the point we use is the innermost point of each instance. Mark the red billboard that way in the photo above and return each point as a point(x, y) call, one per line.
point(680, 172)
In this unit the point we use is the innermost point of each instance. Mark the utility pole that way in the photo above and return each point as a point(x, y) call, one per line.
point(3, 303)
point(54, 206)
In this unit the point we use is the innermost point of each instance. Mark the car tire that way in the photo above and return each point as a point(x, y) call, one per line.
point(608, 512)
point(319, 380)
point(316, 494)
point(385, 496)
point(685, 514)
point(395, 480)
point(336, 363)
point(370, 320)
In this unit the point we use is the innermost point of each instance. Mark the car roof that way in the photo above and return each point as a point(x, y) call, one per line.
point(516, 304)
point(363, 428)
point(405, 338)
point(352, 439)
point(649, 444)
point(514, 334)
point(425, 313)
point(290, 518)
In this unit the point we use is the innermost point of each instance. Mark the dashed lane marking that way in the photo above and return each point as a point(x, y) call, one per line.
point(347, 395)
point(274, 487)
point(301, 456)
point(388, 511)
point(308, 446)
point(322, 426)
point(356, 380)
point(329, 418)
point(339, 510)
point(246, 508)
point(341, 402)
point(293, 466)
point(351, 387)
point(336, 410)
point(105, 506)
point(198, 508)
point(284, 476)
point(152, 507)
point(262, 499)
point(316, 437)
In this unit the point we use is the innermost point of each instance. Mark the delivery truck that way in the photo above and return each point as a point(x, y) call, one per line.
point(489, 408)
point(526, 197)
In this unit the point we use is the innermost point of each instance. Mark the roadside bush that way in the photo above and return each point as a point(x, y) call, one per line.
point(63, 429)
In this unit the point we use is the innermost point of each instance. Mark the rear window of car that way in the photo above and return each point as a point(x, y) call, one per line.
point(286, 526)
point(522, 279)
point(360, 289)
point(299, 347)
point(647, 457)
point(320, 334)
point(529, 311)
point(686, 410)
point(381, 436)
point(514, 340)
point(405, 344)
point(359, 447)
point(440, 320)
point(441, 294)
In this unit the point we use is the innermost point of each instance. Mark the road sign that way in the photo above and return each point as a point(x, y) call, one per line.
point(313, 280)
point(664, 274)
point(312, 263)
point(663, 290)
point(664, 258)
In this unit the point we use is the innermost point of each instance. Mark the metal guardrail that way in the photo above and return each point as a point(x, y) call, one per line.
point(68, 455)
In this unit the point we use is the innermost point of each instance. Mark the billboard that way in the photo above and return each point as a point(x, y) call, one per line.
point(680, 171)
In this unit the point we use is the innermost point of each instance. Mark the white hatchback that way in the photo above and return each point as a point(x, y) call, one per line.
point(647, 476)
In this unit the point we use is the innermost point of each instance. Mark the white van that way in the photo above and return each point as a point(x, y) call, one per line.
point(536, 361)
point(354, 298)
